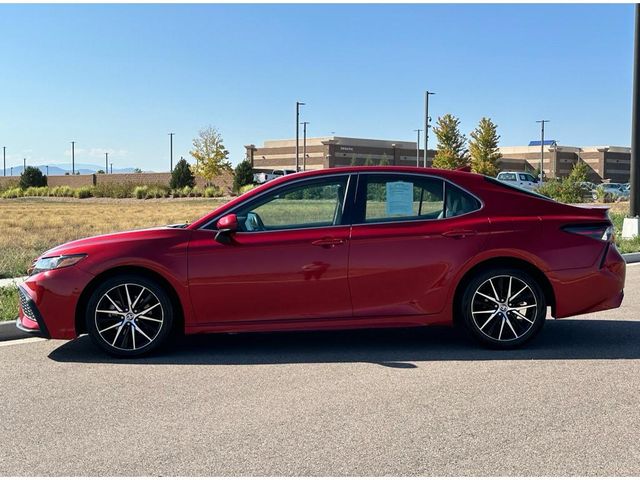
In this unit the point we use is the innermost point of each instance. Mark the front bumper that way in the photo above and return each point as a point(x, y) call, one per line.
point(29, 319)
point(48, 302)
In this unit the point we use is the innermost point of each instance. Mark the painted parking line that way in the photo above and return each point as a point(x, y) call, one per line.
point(21, 341)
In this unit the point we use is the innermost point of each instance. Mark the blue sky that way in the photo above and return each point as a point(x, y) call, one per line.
point(118, 78)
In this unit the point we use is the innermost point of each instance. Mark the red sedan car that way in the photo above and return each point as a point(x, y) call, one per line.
point(342, 248)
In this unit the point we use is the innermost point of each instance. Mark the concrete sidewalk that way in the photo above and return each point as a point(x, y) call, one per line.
point(10, 282)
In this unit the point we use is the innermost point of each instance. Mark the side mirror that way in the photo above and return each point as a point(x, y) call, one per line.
point(226, 226)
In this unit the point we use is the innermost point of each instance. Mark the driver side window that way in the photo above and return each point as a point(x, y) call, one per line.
point(317, 203)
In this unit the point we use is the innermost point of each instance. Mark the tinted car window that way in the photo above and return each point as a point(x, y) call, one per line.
point(509, 177)
point(302, 205)
point(459, 202)
point(402, 197)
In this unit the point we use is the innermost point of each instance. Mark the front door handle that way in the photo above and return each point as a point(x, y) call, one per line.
point(459, 233)
point(328, 242)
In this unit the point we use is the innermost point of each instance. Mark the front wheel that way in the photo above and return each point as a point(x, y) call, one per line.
point(129, 315)
point(503, 308)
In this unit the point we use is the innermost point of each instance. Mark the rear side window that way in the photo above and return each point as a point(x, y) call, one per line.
point(507, 177)
point(459, 202)
point(392, 198)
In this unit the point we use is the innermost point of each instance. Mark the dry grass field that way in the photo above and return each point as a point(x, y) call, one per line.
point(29, 226)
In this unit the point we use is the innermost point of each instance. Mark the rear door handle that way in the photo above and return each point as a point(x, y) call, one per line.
point(459, 233)
point(329, 242)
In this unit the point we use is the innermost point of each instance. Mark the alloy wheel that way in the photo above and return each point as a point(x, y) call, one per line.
point(129, 317)
point(504, 308)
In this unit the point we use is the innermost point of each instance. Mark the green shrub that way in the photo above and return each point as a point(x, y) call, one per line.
point(114, 190)
point(182, 176)
point(212, 191)
point(569, 189)
point(13, 193)
point(157, 191)
point(246, 188)
point(186, 191)
point(242, 175)
point(32, 177)
point(36, 192)
point(140, 192)
point(83, 192)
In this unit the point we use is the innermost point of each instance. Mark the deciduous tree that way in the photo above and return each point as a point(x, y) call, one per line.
point(212, 158)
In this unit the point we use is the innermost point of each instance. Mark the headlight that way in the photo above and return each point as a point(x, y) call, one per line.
point(53, 263)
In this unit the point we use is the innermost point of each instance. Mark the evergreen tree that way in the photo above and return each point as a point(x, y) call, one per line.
point(182, 176)
point(32, 177)
point(483, 148)
point(452, 151)
point(243, 175)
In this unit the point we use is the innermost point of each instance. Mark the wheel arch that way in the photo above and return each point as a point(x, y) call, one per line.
point(504, 262)
point(131, 270)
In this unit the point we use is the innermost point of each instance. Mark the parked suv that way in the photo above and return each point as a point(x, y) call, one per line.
point(519, 179)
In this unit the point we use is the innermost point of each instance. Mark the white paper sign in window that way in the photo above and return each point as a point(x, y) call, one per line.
point(400, 198)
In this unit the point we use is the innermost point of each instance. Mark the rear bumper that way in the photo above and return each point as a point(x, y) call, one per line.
point(580, 291)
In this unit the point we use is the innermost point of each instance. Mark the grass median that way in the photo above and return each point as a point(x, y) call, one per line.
point(8, 303)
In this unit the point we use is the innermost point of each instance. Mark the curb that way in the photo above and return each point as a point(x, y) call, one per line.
point(9, 331)
point(631, 257)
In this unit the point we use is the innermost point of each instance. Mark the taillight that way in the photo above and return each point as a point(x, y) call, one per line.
point(602, 232)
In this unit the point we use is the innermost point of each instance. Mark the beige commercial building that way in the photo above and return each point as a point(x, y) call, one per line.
point(328, 152)
point(606, 163)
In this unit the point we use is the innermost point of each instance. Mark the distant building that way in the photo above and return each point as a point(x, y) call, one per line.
point(606, 163)
point(328, 152)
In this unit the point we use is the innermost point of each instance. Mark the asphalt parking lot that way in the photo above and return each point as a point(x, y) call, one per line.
point(392, 402)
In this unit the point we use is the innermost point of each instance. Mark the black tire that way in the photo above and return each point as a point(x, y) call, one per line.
point(503, 324)
point(123, 331)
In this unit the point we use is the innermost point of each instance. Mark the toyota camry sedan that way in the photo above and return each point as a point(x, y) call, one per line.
point(344, 248)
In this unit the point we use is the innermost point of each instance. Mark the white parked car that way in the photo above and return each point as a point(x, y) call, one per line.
point(519, 179)
point(263, 177)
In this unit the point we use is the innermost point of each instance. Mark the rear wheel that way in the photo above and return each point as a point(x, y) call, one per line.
point(503, 308)
point(129, 315)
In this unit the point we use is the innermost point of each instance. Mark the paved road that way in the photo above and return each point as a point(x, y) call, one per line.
point(401, 402)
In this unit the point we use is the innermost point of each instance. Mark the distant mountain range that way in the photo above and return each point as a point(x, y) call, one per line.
point(64, 168)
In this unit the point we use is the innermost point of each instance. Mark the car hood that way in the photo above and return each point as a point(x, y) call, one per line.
point(145, 235)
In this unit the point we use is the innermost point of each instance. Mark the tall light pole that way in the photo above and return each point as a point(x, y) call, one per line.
point(4, 161)
point(47, 167)
point(24, 164)
point(298, 104)
point(418, 147)
point(304, 145)
point(542, 122)
point(427, 119)
point(631, 225)
point(112, 168)
point(106, 162)
point(73, 158)
point(171, 151)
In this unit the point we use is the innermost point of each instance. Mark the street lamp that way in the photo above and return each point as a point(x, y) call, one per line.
point(171, 151)
point(73, 158)
point(427, 119)
point(4, 161)
point(304, 145)
point(106, 162)
point(112, 168)
point(298, 104)
point(542, 122)
point(631, 224)
point(393, 159)
point(418, 147)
